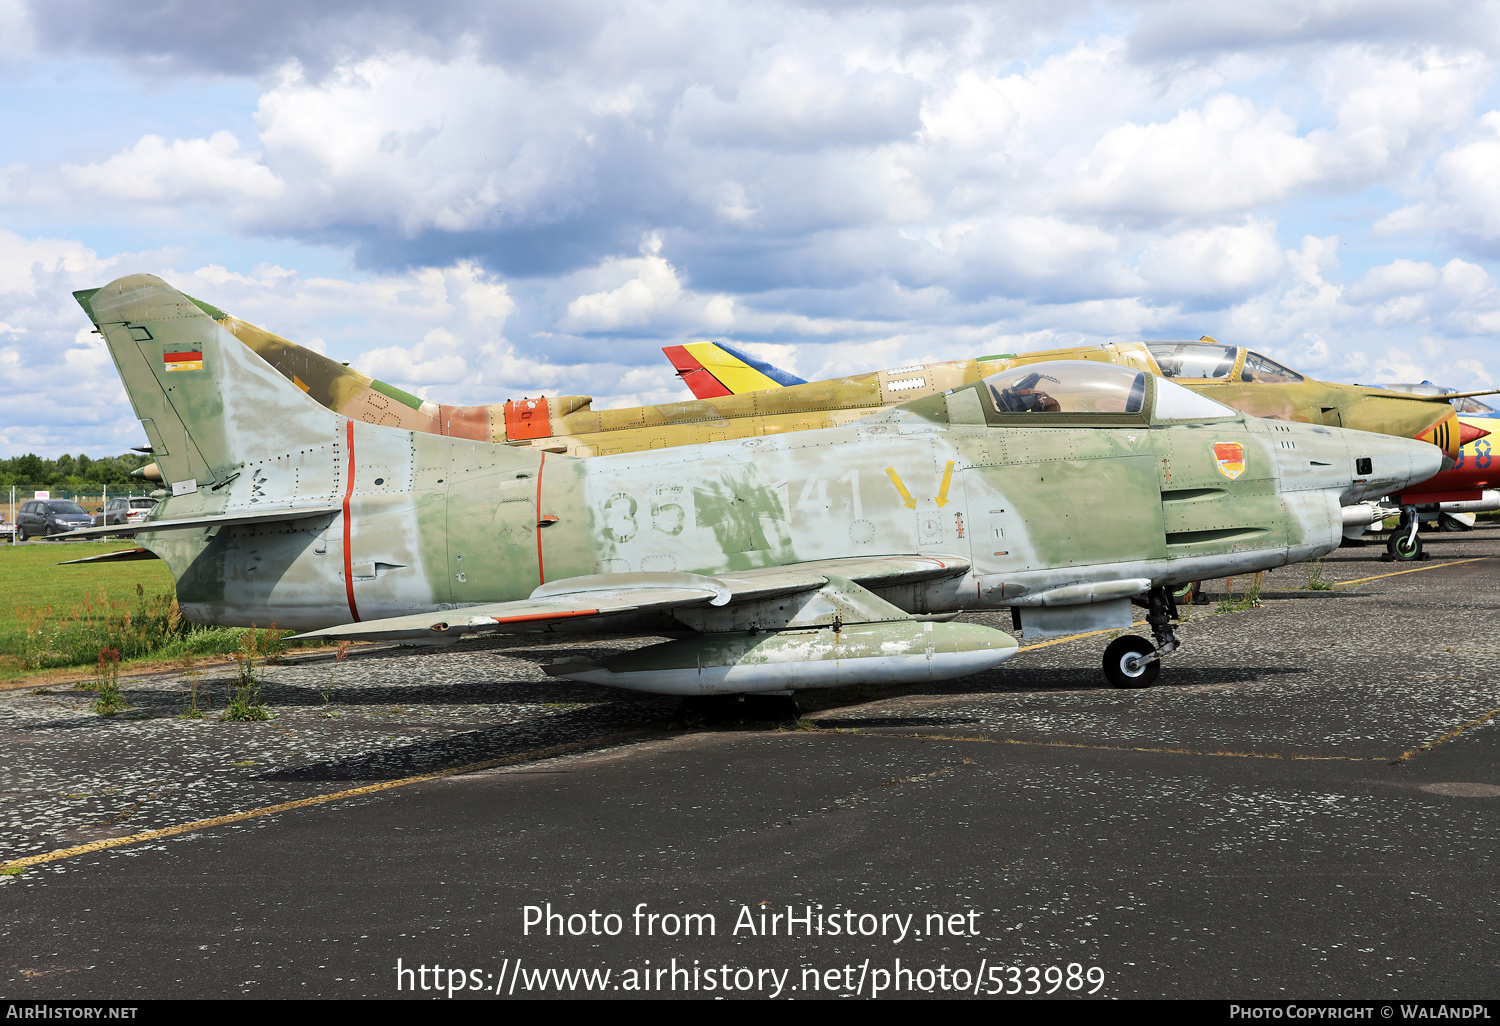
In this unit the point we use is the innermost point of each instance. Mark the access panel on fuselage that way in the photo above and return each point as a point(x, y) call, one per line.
point(1031, 516)
point(1219, 487)
point(492, 536)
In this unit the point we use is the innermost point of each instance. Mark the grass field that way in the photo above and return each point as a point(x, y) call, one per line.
point(30, 582)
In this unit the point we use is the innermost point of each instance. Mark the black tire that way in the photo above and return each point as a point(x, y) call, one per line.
point(1117, 657)
point(20, 533)
point(1398, 548)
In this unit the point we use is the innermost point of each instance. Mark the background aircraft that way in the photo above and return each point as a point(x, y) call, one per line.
point(1233, 375)
point(1453, 496)
point(790, 562)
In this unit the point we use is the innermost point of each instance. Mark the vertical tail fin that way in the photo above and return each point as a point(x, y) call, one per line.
point(207, 403)
point(713, 369)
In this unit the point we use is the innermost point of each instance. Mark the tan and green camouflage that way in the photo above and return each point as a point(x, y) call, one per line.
point(764, 551)
point(569, 424)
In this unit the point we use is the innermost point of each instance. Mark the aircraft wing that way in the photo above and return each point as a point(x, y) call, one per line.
point(613, 594)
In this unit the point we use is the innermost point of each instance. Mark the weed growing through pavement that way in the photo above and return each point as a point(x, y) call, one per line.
point(343, 650)
point(107, 700)
point(328, 712)
point(244, 694)
point(273, 646)
point(194, 678)
point(1316, 581)
point(1248, 599)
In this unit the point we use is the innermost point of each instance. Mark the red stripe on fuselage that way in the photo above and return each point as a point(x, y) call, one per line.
point(541, 574)
point(348, 525)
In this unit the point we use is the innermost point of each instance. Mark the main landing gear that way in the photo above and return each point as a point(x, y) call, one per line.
point(1405, 544)
point(1133, 662)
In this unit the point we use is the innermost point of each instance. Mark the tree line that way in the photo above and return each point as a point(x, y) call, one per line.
point(73, 473)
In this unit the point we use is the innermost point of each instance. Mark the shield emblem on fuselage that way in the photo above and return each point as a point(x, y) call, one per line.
point(1230, 459)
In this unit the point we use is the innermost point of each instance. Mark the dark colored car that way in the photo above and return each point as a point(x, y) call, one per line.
point(41, 518)
point(124, 510)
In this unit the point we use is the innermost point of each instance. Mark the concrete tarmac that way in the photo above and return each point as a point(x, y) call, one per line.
point(1306, 805)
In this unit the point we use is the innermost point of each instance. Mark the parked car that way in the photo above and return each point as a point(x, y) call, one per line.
point(124, 510)
point(41, 518)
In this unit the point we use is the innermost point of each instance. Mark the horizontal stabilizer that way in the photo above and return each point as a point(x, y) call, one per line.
point(120, 556)
point(269, 516)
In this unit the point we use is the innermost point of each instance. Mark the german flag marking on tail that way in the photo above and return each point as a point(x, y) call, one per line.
point(190, 360)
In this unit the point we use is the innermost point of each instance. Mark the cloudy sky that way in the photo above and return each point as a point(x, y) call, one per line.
point(484, 200)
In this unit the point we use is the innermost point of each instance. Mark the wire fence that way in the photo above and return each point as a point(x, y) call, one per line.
point(92, 502)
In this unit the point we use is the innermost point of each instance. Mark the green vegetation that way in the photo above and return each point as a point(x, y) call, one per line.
point(107, 697)
point(194, 678)
point(63, 616)
point(255, 649)
point(1316, 581)
point(71, 473)
point(1247, 599)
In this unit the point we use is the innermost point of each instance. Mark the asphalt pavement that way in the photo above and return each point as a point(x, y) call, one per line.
point(1304, 806)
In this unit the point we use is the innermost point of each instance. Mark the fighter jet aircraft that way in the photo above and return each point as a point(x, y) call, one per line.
point(809, 559)
point(1233, 375)
point(1469, 487)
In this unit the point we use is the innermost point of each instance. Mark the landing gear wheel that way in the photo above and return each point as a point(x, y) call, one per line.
point(1125, 664)
point(1191, 594)
point(1404, 546)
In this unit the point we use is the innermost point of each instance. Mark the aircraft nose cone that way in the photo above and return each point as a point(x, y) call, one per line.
point(1386, 464)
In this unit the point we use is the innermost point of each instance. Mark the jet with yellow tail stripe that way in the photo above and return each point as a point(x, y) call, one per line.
point(1233, 375)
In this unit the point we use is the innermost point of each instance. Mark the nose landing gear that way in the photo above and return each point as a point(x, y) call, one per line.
point(1132, 661)
point(1405, 545)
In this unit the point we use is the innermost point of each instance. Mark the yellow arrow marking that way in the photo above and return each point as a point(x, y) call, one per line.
point(906, 499)
point(942, 495)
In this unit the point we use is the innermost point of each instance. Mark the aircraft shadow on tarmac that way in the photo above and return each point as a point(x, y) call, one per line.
point(577, 729)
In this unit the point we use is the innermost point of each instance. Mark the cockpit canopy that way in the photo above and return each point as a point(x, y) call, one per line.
point(1090, 387)
point(1216, 362)
point(1068, 386)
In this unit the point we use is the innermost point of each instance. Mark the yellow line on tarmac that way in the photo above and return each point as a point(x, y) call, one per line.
point(1075, 637)
point(1413, 570)
point(1070, 637)
point(15, 865)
